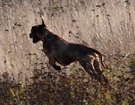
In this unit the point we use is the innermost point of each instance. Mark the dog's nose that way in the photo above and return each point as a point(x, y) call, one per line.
point(31, 36)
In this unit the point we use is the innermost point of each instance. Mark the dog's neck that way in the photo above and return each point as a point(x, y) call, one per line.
point(46, 33)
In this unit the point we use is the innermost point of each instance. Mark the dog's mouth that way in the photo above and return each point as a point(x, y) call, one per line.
point(35, 39)
point(31, 36)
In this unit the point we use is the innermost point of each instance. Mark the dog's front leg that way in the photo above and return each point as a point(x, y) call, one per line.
point(52, 62)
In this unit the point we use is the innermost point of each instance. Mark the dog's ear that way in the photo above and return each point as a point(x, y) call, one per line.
point(43, 21)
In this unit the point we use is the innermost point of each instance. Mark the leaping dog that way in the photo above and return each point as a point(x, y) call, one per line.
point(63, 52)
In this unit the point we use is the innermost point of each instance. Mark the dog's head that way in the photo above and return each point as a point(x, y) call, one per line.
point(37, 31)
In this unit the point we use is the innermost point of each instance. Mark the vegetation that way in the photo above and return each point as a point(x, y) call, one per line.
point(48, 87)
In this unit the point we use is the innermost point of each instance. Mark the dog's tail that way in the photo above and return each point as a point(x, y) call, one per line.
point(101, 58)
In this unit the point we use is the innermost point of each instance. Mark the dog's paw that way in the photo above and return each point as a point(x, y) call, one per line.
point(58, 68)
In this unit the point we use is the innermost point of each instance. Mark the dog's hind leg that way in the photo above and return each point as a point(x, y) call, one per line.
point(97, 66)
point(87, 63)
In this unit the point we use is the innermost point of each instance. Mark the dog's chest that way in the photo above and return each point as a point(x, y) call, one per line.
point(64, 61)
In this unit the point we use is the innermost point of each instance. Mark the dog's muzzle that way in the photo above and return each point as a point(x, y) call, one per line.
point(31, 36)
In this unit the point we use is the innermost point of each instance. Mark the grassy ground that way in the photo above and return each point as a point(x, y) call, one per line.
point(48, 87)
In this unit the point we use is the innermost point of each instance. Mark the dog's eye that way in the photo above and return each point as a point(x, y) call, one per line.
point(33, 30)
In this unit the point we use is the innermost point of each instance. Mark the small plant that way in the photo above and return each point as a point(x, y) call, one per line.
point(83, 2)
point(56, 7)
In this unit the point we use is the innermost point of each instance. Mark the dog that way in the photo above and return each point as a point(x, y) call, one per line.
point(63, 52)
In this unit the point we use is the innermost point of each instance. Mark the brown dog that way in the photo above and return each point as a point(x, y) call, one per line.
point(63, 52)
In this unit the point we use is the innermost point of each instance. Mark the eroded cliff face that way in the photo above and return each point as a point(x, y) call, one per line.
point(105, 25)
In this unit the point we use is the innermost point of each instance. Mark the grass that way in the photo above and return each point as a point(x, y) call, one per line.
point(50, 87)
